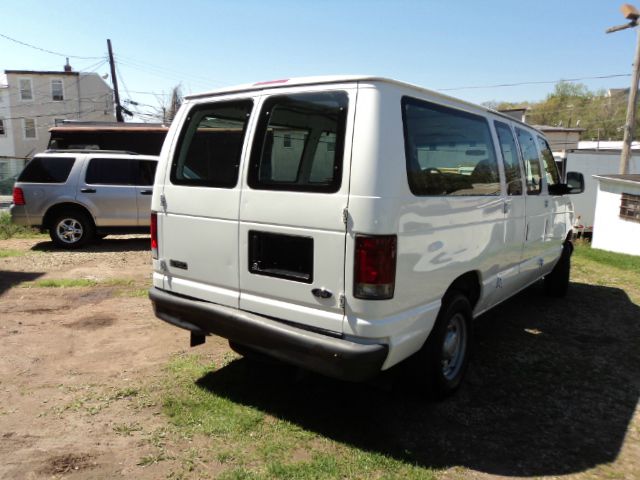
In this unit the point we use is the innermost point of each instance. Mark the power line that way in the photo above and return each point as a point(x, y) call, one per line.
point(204, 80)
point(470, 87)
point(45, 50)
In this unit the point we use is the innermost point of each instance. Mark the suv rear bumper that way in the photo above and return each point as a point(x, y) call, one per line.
point(19, 215)
point(331, 356)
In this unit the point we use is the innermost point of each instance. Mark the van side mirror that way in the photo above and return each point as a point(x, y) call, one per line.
point(575, 182)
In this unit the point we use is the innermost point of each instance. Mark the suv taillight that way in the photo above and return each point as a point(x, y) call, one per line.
point(18, 196)
point(154, 235)
point(375, 267)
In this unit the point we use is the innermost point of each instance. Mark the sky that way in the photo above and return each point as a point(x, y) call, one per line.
point(440, 45)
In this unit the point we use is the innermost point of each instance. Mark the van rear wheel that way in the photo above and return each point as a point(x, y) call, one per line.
point(71, 229)
point(444, 358)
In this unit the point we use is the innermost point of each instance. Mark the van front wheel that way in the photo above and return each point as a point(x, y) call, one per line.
point(445, 355)
point(556, 283)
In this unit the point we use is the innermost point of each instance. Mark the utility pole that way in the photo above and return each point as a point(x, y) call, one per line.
point(119, 117)
point(630, 13)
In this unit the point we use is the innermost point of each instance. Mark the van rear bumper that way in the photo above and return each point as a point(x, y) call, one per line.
point(331, 356)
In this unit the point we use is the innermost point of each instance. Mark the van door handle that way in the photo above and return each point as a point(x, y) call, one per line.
point(146, 192)
point(88, 190)
point(506, 207)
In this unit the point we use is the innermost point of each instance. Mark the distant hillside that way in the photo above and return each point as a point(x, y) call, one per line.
point(600, 113)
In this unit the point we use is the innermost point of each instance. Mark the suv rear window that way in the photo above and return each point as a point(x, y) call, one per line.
point(448, 151)
point(299, 143)
point(210, 145)
point(47, 170)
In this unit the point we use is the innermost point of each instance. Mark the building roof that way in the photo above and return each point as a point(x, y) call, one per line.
point(606, 145)
point(39, 72)
point(109, 128)
point(633, 178)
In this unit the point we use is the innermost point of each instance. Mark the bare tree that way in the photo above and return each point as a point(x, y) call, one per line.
point(169, 107)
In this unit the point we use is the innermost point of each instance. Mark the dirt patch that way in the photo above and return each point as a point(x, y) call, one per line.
point(92, 322)
point(66, 463)
point(75, 360)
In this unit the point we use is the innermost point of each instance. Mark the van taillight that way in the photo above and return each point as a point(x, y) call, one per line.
point(375, 267)
point(18, 196)
point(154, 235)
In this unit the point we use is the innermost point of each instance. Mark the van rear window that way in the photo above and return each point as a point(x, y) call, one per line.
point(47, 170)
point(299, 143)
point(448, 151)
point(210, 145)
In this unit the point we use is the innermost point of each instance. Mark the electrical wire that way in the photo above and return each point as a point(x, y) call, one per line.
point(46, 50)
point(541, 82)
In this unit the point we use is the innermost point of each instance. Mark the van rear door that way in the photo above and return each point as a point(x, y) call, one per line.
point(292, 213)
point(198, 221)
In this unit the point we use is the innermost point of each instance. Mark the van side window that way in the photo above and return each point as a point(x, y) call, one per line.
point(550, 167)
point(531, 161)
point(510, 158)
point(448, 151)
point(210, 145)
point(299, 143)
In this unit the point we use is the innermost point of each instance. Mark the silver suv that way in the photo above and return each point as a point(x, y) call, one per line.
point(81, 195)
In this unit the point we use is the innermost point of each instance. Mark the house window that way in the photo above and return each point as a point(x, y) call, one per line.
point(26, 90)
point(630, 207)
point(57, 92)
point(29, 127)
point(3, 132)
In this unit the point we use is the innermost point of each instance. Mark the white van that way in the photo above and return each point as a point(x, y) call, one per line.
point(343, 224)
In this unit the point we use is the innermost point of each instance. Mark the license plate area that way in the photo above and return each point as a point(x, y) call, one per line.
point(289, 257)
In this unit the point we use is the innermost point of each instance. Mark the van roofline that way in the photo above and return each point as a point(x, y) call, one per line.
point(328, 79)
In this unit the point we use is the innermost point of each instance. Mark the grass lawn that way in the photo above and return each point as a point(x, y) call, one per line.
point(552, 390)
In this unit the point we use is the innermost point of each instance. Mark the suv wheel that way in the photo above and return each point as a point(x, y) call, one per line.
point(71, 230)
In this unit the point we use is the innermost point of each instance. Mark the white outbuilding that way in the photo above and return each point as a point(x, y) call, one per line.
point(617, 218)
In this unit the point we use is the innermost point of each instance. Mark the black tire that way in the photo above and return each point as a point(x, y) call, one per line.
point(71, 229)
point(556, 283)
point(439, 376)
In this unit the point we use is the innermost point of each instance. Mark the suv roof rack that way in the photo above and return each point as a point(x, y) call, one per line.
point(87, 150)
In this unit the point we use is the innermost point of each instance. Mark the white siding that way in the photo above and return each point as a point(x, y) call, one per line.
point(610, 232)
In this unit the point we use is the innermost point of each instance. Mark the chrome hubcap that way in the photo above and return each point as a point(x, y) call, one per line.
point(454, 346)
point(69, 230)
